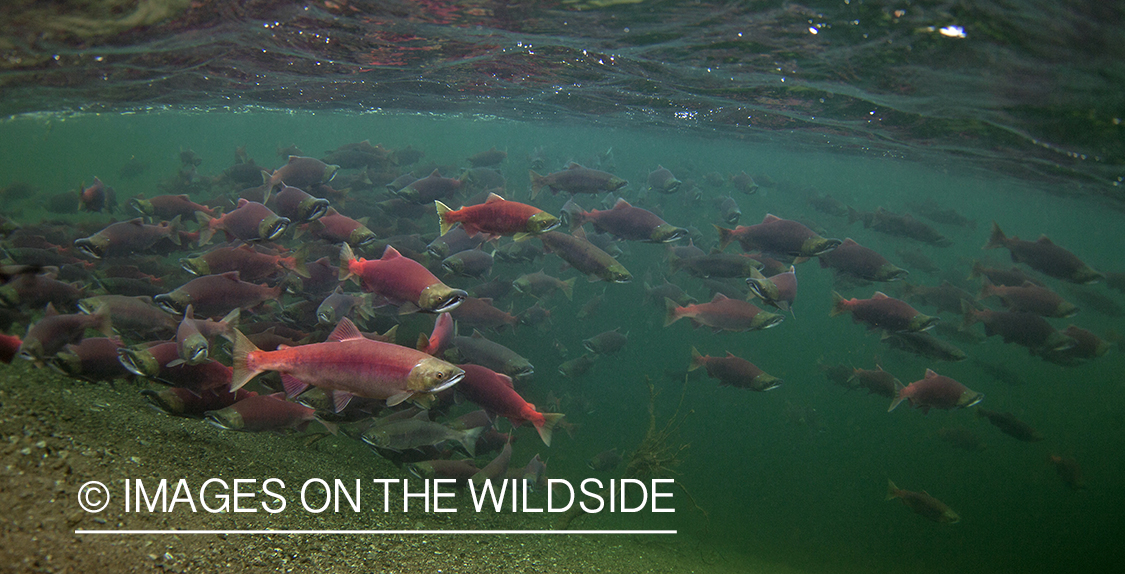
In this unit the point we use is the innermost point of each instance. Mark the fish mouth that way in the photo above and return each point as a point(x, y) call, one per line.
point(450, 267)
point(448, 301)
point(927, 324)
point(670, 234)
point(437, 251)
point(159, 402)
point(525, 372)
point(168, 303)
point(978, 398)
point(416, 471)
point(271, 229)
point(672, 186)
point(142, 207)
point(761, 289)
point(453, 380)
point(772, 320)
point(138, 362)
point(195, 266)
point(363, 237)
point(826, 246)
point(88, 247)
point(898, 275)
point(216, 418)
point(313, 210)
point(733, 218)
point(764, 384)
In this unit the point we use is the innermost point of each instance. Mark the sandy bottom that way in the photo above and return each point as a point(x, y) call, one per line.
point(56, 434)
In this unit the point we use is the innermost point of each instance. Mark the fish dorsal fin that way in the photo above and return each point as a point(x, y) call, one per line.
point(492, 197)
point(930, 374)
point(880, 295)
point(422, 415)
point(50, 310)
point(390, 253)
point(189, 313)
point(770, 218)
point(730, 354)
point(946, 283)
point(1028, 284)
point(506, 380)
point(573, 165)
point(487, 300)
point(1044, 240)
point(477, 334)
point(292, 158)
point(719, 297)
point(621, 204)
point(231, 276)
point(848, 241)
point(136, 221)
point(580, 233)
point(344, 331)
point(242, 201)
point(435, 173)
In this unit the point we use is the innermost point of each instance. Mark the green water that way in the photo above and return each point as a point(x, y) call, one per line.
point(809, 496)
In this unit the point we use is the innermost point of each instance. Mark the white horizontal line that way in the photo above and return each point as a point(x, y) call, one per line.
point(80, 531)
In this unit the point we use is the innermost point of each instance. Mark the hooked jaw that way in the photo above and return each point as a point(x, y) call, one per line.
point(440, 298)
point(542, 222)
point(312, 208)
point(272, 227)
point(91, 246)
point(170, 303)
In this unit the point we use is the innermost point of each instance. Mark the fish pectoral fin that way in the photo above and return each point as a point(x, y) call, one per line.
point(398, 398)
point(340, 399)
point(293, 385)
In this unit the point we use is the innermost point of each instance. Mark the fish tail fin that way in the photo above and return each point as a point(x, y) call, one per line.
point(536, 182)
point(899, 397)
point(346, 259)
point(443, 209)
point(230, 321)
point(206, 231)
point(725, 237)
point(977, 270)
point(174, 230)
point(547, 427)
point(102, 321)
point(996, 239)
point(970, 315)
point(986, 290)
point(298, 263)
point(242, 373)
point(696, 359)
point(469, 440)
point(892, 490)
point(839, 304)
point(328, 426)
point(567, 288)
point(671, 311)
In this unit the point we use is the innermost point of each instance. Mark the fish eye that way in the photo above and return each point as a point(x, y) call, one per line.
point(440, 375)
